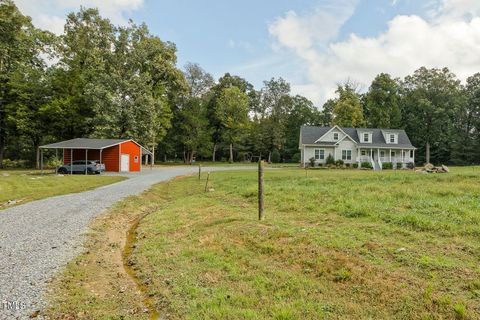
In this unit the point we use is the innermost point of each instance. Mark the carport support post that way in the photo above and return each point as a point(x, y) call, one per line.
point(101, 158)
point(56, 160)
point(86, 157)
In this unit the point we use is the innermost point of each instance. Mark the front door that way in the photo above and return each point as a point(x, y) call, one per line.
point(125, 163)
point(373, 155)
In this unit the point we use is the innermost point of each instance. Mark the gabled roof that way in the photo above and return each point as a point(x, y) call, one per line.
point(91, 144)
point(310, 135)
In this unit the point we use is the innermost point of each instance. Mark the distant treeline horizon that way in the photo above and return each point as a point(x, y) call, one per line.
point(107, 81)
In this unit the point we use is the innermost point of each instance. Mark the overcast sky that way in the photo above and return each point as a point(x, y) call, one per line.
point(314, 44)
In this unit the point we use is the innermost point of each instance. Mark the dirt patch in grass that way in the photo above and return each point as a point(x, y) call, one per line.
point(97, 284)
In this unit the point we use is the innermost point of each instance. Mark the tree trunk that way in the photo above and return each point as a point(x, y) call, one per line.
point(427, 152)
point(214, 152)
point(36, 146)
point(269, 157)
point(165, 157)
point(2, 151)
point(231, 152)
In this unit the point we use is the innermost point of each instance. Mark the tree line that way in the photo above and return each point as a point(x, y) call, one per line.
point(104, 81)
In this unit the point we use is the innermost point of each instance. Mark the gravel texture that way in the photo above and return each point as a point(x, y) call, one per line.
point(38, 238)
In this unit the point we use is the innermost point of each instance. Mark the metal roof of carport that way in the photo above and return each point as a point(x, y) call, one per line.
point(93, 144)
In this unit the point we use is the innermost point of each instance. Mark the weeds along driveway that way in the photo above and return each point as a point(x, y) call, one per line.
point(39, 237)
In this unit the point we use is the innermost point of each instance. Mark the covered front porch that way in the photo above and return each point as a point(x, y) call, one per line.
point(399, 158)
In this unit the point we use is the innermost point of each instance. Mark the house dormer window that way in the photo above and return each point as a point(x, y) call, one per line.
point(366, 137)
point(392, 138)
point(335, 136)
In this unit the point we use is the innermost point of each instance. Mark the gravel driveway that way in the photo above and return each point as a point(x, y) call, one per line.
point(38, 238)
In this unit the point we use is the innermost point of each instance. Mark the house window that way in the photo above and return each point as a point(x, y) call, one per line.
point(335, 136)
point(411, 154)
point(392, 138)
point(364, 152)
point(382, 154)
point(366, 137)
point(346, 154)
point(319, 154)
point(393, 154)
point(135, 159)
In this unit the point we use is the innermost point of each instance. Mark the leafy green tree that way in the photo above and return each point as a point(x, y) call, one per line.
point(191, 122)
point(302, 112)
point(21, 76)
point(135, 94)
point(326, 116)
point(348, 111)
point(466, 137)
point(214, 95)
point(84, 51)
point(383, 103)
point(232, 111)
point(431, 100)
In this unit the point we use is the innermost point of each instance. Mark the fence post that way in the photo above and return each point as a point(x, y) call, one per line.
point(206, 183)
point(260, 190)
point(199, 171)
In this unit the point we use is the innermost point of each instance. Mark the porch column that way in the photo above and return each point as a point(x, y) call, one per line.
point(403, 156)
point(390, 151)
point(413, 160)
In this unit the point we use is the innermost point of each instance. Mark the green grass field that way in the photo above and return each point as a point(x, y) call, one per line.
point(24, 185)
point(338, 244)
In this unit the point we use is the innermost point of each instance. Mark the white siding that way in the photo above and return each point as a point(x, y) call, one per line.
point(310, 153)
point(346, 144)
point(329, 136)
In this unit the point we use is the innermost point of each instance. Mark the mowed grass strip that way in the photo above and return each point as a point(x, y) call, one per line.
point(25, 186)
point(344, 244)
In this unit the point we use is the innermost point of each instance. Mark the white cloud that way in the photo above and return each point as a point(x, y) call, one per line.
point(449, 37)
point(50, 14)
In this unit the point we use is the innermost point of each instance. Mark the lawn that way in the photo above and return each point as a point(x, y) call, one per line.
point(338, 244)
point(23, 186)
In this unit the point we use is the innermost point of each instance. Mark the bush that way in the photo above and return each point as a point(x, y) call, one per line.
point(312, 162)
point(348, 165)
point(297, 157)
point(355, 165)
point(275, 156)
point(339, 163)
point(330, 160)
point(14, 164)
point(367, 165)
point(399, 165)
point(387, 166)
point(54, 163)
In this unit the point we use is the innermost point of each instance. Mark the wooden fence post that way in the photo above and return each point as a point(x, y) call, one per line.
point(206, 183)
point(199, 171)
point(260, 190)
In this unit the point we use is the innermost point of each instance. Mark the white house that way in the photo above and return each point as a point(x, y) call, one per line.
point(356, 145)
